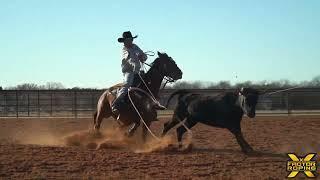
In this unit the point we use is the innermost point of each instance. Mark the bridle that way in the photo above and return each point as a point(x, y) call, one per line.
point(166, 78)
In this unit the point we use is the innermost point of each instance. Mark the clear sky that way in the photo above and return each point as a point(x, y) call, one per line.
point(75, 41)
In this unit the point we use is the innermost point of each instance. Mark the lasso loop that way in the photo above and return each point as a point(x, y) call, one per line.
point(149, 53)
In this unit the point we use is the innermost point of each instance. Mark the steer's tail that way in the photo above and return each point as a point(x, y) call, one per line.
point(181, 93)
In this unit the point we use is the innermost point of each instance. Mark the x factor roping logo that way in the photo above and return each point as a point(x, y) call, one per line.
point(305, 164)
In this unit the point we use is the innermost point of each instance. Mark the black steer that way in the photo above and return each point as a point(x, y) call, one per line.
point(224, 111)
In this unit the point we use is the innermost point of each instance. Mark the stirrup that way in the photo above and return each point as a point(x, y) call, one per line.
point(160, 107)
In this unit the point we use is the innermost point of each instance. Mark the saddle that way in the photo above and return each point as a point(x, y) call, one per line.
point(113, 90)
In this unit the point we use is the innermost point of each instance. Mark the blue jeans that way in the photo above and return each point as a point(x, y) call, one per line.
point(128, 81)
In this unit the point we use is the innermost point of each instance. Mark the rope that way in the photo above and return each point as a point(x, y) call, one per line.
point(288, 89)
point(149, 53)
point(153, 98)
point(141, 119)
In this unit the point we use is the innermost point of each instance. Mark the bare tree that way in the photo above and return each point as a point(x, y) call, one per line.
point(315, 82)
point(224, 85)
point(54, 85)
point(27, 86)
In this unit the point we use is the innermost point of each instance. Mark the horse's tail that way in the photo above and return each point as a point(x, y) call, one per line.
point(181, 93)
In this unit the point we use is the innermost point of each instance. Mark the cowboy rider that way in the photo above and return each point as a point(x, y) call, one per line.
point(132, 57)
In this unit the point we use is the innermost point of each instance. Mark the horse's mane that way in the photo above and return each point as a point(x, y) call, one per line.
point(155, 62)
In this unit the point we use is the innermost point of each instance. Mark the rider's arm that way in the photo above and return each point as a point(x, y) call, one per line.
point(126, 65)
point(142, 56)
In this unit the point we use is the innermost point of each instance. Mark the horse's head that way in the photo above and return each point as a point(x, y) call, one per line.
point(248, 98)
point(167, 66)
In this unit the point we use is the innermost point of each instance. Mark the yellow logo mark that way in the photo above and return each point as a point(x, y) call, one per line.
point(301, 165)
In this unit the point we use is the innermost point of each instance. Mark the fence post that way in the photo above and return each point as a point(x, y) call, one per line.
point(5, 104)
point(17, 104)
point(288, 103)
point(39, 103)
point(92, 103)
point(75, 103)
point(28, 104)
point(51, 103)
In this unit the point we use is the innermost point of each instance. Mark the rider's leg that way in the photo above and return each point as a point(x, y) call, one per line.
point(128, 80)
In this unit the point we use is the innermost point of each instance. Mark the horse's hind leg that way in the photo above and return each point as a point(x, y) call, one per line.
point(98, 117)
point(97, 120)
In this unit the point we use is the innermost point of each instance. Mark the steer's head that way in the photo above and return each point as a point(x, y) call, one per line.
point(248, 98)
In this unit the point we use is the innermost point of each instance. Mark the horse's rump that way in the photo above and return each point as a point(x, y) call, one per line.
point(115, 87)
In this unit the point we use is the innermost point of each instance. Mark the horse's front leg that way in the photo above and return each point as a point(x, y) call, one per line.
point(145, 131)
point(132, 128)
point(150, 117)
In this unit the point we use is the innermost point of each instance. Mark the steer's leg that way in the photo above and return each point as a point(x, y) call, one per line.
point(245, 147)
point(180, 113)
point(189, 123)
point(170, 124)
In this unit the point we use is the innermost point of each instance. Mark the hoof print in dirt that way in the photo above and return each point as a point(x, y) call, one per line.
point(92, 145)
point(96, 135)
point(110, 145)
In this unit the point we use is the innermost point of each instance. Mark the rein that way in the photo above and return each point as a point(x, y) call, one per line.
point(168, 79)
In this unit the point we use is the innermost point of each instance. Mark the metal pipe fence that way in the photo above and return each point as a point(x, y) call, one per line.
point(82, 103)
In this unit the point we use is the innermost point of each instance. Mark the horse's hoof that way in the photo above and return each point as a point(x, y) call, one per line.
point(248, 151)
point(96, 128)
point(128, 134)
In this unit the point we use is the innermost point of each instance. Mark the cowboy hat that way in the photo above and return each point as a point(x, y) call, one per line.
point(126, 35)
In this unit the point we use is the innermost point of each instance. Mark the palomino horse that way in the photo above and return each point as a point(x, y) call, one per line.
point(162, 66)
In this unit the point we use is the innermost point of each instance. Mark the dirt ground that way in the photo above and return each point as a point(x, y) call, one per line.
point(64, 148)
